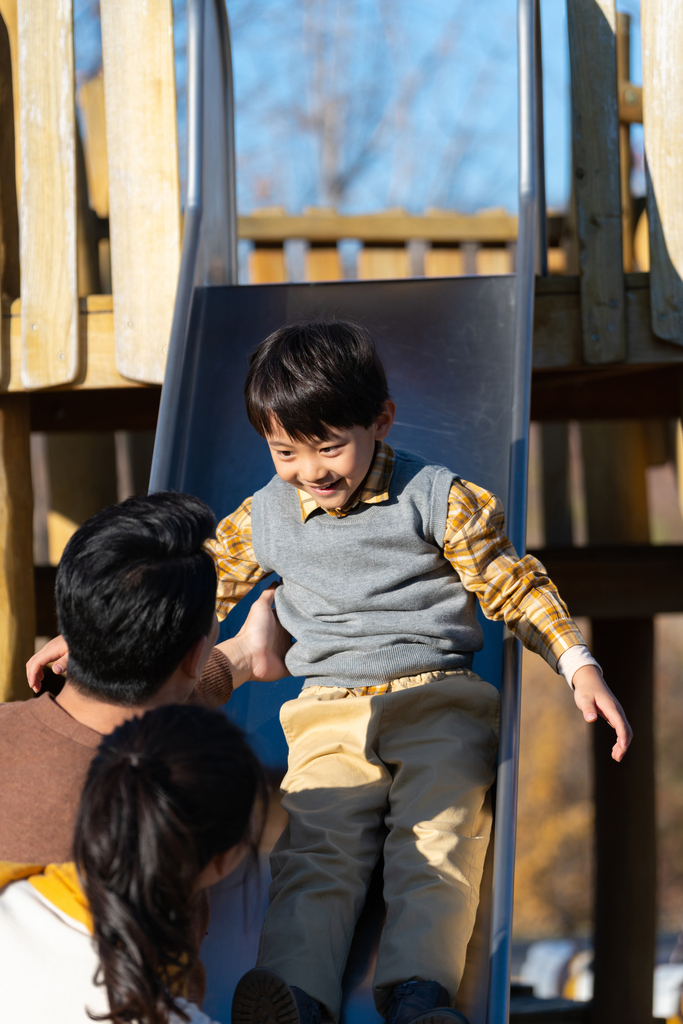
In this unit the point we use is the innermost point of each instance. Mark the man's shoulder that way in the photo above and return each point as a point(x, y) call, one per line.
point(21, 720)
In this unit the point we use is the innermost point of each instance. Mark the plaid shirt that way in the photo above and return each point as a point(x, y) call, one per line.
point(511, 588)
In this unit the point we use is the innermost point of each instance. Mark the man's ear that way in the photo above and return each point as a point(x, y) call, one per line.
point(384, 420)
point(191, 661)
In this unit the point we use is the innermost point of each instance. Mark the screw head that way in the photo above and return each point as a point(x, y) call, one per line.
point(595, 337)
point(61, 357)
point(661, 316)
point(34, 327)
point(612, 303)
point(129, 323)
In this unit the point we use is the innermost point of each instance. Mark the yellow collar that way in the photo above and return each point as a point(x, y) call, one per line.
point(58, 883)
point(374, 489)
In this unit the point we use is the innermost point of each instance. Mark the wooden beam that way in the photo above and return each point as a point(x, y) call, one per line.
point(112, 409)
point(662, 36)
point(144, 190)
point(48, 216)
point(595, 136)
point(17, 604)
point(617, 581)
point(439, 226)
point(82, 480)
point(626, 393)
point(9, 14)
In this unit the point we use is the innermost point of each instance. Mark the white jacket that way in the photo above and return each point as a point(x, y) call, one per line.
point(48, 962)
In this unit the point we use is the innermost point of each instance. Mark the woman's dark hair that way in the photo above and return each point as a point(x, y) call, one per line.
point(165, 794)
point(135, 589)
point(315, 375)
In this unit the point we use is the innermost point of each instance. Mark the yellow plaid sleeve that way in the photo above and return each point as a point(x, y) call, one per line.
point(511, 588)
point(236, 565)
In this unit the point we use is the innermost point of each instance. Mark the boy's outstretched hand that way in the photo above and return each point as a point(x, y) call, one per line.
point(593, 697)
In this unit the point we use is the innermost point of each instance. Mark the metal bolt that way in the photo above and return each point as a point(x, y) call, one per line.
point(612, 303)
point(34, 327)
point(661, 316)
point(129, 323)
point(61, 357)
point(595, 337)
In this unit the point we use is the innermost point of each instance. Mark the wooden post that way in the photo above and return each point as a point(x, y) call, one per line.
point(595, 135)
point(17, 603)
point(662, 34)
point(624, 76)
point(615, 458)
point(9, 220)
point(377, 262)
point(82, 480)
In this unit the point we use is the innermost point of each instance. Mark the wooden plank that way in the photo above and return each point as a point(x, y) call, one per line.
point(444, 262)
point(144, 190)
point(9, 14)
point(662, 38)
point(17, 605)
point(49, 275)
point(323, 264)
point(82, 480)
point(379, 262)
point(441, 226)
point(557, 517)
point(90, 99)
point(640, 392)
point(267, 265)
point(595, 133)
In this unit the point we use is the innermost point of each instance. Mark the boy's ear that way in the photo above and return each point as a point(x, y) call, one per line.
point(385, 420)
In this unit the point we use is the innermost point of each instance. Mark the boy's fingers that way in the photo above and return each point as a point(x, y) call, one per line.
point(587, 707)
point(613, 714)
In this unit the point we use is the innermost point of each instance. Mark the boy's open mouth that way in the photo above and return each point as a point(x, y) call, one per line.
point(325, 489)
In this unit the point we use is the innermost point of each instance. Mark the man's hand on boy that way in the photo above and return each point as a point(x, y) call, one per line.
point(55, 651)
point(258, 650)
point(593, 697)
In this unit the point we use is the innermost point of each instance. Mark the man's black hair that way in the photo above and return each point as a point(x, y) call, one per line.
point(314, 375)
point(135, 589)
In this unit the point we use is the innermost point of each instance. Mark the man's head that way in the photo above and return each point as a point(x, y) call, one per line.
point(317, 392)
point(135, 591)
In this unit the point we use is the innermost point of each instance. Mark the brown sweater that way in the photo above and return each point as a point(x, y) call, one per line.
point(44, 759)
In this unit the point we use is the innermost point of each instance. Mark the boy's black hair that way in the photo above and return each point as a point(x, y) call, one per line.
point(313, 375)
point(135, 589)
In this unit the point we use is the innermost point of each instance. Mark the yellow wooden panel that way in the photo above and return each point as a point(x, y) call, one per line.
point(662, 37)
point(144, 191)
point(90, 98)
point(49, 275)
point(444, 263)
point(597, 188)
point(493, 261)
point(323, 264)
point(641, 244)
point(267, 266)
point(377, 262)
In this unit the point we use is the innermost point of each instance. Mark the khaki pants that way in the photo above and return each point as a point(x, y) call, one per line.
point(406, 772)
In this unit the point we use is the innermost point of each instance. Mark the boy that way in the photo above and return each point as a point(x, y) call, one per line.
point(393, 739)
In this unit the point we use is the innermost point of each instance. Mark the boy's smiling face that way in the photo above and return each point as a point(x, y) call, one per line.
point(332, 468)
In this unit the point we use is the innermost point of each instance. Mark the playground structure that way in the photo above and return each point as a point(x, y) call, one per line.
point(607, 343)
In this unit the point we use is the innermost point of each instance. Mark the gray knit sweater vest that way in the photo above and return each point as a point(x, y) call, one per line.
point(368, 597)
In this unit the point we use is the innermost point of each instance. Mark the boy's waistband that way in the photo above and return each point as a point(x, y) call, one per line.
point(404, 683)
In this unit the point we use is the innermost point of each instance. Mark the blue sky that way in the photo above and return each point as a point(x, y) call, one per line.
point(423, 93)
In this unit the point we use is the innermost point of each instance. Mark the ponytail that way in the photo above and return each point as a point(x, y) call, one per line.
point(165, 794)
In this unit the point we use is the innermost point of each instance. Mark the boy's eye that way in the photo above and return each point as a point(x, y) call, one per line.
point(285, 453)
point(331, 448)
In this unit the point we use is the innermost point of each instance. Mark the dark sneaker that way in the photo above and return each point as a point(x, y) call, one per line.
point(421, 1002)
point(262, 997)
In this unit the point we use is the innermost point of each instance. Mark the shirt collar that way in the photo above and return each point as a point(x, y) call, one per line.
point(373, 490)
